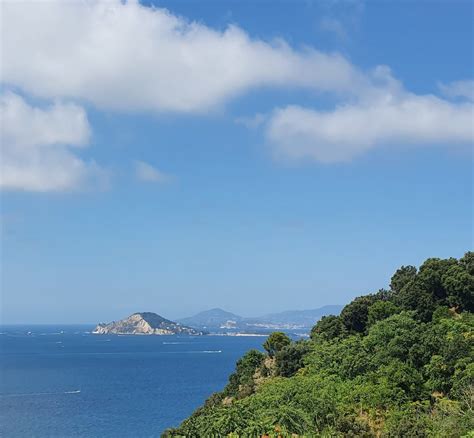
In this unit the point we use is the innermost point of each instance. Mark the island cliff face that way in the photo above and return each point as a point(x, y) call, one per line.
point(145, 323)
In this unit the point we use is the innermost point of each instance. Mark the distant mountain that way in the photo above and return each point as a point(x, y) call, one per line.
point(212, 319)
point(218, 320)
point(144, 323)
point(305, 318)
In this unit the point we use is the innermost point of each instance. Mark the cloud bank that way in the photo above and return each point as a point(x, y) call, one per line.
point(37, 147)
point(124, 56)
point(351, 129)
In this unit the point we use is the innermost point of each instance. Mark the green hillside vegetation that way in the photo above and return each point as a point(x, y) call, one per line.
point(396, 363)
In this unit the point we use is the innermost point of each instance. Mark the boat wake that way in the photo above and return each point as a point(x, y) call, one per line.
point(32, 394)
point(175, 343)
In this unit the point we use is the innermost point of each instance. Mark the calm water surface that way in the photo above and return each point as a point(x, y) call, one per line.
point(60, 381)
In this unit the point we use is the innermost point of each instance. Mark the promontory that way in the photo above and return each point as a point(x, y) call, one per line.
point(145, 323)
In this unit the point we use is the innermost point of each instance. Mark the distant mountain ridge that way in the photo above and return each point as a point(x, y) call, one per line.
point(145, 323)
point(220, 320)
point(211, 318)
point(305, 317)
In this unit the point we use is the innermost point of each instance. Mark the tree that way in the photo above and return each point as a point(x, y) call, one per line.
point(402, 277)
point(467, 261)
point(392, 338)
point(459, 286)
point(381, 310)
point(415, 297)
point(276, 342)
point(328, 327)
point(242, 378)
point(290, 359)
point(354, 316)
point(430, 276)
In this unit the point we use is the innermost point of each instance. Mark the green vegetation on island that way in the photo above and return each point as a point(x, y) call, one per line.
point(396, 363)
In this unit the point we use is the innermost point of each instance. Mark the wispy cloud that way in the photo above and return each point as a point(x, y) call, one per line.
point(341, 18)
point(333, 26)
point(458, 89)
point(147, 173)
point(251, 122)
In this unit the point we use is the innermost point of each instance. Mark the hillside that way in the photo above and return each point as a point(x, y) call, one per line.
point(218, 320)
point(395, 363)
point(144, 323)
point(212, 319)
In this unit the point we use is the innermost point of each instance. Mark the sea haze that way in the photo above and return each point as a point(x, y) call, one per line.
point(61, 381)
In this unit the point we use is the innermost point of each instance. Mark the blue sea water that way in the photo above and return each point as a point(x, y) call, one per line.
point(62, 381)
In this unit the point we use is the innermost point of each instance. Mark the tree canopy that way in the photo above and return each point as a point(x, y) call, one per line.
point(396, 363)
point(276, 342)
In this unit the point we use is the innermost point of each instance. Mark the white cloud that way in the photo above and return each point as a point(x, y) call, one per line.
point(146, 172)
point(463, 89)
point(125, 56)
point(36, 147)
point(351, 129)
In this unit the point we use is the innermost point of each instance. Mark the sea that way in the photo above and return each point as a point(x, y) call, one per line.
point(63, 381)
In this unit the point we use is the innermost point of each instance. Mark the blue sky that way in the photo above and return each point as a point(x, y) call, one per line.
point(255, 156)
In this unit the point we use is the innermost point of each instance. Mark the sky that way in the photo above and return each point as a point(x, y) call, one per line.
point(175, 156)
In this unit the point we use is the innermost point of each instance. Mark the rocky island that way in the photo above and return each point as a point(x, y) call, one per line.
point(145, 323)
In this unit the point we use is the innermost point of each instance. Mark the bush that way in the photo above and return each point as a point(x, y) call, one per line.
point(242, 379)
point(327, 328)
point(276, 342)
point(290, 359)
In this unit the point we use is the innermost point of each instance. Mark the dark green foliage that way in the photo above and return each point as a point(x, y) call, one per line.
point(430, 277)
point(438, 282)
point(290, 359)
point(397, 363)
point(355, 315)
point(241, 381)
point(467, 262)
point(403, 276)
point(459, 286)
point(443, 418)
point(381, 310)
point(393, 340)
point(214, 400)
point(414, 297)
point(410, 421)
point(276, 342)
point(346, 358)
point(328, 327)
point(441, 312)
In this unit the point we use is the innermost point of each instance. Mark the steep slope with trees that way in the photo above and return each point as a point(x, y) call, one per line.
point(396, 363)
